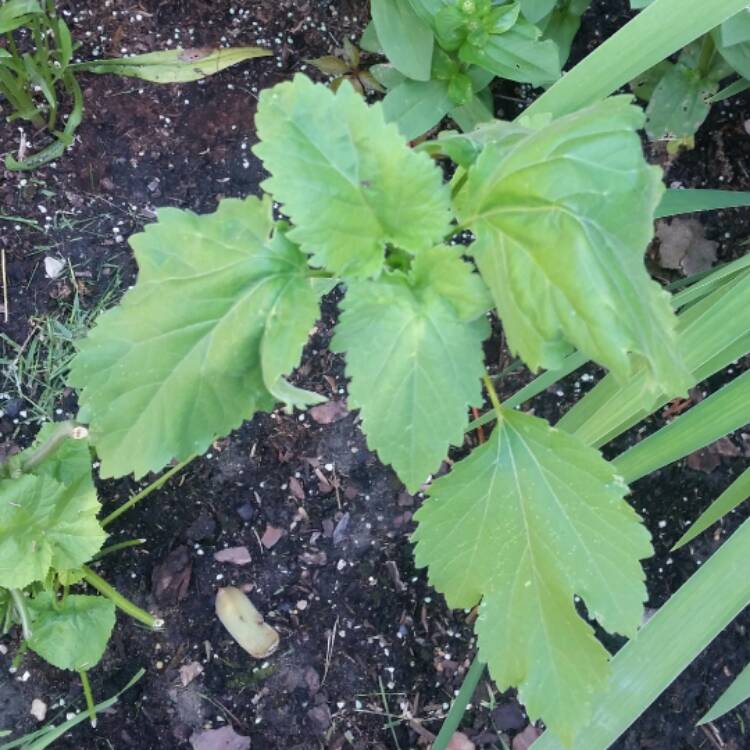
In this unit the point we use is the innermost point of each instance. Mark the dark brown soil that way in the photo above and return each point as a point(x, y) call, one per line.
point(370, 655)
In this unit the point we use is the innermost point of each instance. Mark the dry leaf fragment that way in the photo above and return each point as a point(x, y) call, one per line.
point(330, 412)
point(245, 624)
point(219, 739)
point(460, 741)
point(271, 536)
point(684, 247)
point(233, 555)
point(53, 267)
point(526, 739)
point(296, 488)
point(188, 672)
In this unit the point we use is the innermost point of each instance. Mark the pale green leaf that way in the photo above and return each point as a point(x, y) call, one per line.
point(415, 394)
point(45, 524)
point(677, 107)
point(738, 692)
point(347, 179)
point(530, 519)
point(683, 201)
point(536, 10)
point(518, 55)
point(731, 498)
point(442, 270)
point(736, 55)
point(175, 65)
point(406, 39)
point(736, 30)
point(417, 106)
point(197, 346)
point(71, 633)
point(563, 217)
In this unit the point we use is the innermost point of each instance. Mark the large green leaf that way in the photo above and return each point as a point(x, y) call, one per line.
point(174, 65)
point(417, 106)
point(43, 524)
point(346, 178)
point(222, 307)
point(414, 395)
point(563, 216)
point(530, 519)
point(406, 39)
point(71, 633)
point(736, 30)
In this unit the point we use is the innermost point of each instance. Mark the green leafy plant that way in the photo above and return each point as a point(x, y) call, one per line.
point(49, 531)
point(36, 83)
point(443, 54)
point(679, 94)
point(560, 205)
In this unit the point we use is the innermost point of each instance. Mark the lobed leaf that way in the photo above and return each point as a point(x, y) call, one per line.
point(71, 633)
point(562, 217)
point(530, 519)
point(348, 180)
point(414, 395)
point(222, 307)
point(45, 524)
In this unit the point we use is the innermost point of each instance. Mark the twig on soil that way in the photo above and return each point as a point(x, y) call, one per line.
point(6, 311)
point(712, 733)
point(329, 651)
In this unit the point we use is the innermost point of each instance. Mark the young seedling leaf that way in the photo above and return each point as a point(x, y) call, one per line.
point(71, 633)
point(563, 217)
point(174, 65)
point(346, 178)
point(222, 309)
point(529, 520)
point(414, 396)
point(43, 524)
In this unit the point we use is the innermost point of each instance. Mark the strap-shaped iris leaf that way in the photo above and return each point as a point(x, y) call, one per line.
point(43, 524)
point(347, 179)
point(563, 217)
point(529, 520)
point(194, 348)
point(414, 366)
point(71, 633)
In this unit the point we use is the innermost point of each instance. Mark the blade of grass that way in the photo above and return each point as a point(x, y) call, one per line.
point(721, 413)
point(662, 28)
point(738, 692)
point(734, 495)
point(689, 201)
point(646, 665)
point(457, 710)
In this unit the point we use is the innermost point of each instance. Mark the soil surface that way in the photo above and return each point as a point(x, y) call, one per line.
point(370, 656)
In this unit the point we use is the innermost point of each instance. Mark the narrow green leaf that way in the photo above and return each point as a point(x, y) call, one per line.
point(71, 633)
point(736, 55)
point(685, 201)
point(174, 65)
point(346, 178)
point(16, 13)
point(731, 498)
point(738, 692)
point(531, 518)
point(738, 87)
point(653, 35)
point(646, 665)
point(721, 413)
point(711, 334)
point(563, 217)
point(406, 40)
point(196, 346)
point(414, 397)
point(417, 106)
point(45, 524)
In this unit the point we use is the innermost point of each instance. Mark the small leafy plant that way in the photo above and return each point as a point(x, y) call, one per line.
point(679, 94)
point(34, 82)
point(49, 531)
point(443, 54)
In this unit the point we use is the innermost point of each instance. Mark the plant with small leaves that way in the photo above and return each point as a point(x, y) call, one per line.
point(348, 67)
